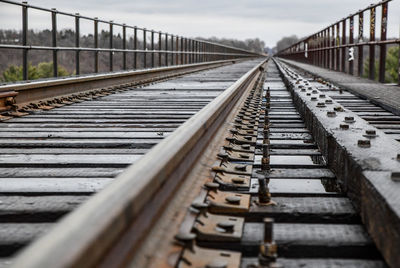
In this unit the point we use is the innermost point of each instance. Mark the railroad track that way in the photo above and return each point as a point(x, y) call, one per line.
point(53, 160)
point(251, 180)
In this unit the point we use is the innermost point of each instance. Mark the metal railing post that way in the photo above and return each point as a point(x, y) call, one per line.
point(25, 40)
point(166, 49)
point(96, 44)
point(77, 37)
point(360, 39)
point(145, 49)
point(343, 67)
point(124, 46)
point(135, 47)
point(111, 46)
point(172, 49)
point(351, 41)
point(152, 49)
point(371, 46)
point(54, 40)
point(382, 57)
point(159, 49)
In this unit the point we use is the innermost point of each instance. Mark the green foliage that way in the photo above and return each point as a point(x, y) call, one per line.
point(366, 69)
point(42, 70)
point(392, 65)
point(391, 68)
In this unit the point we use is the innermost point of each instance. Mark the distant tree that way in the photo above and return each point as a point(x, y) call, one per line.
point(391, 68)
point(45, 70)
point(14, 73)
point(42, 70)
point(286, 42)
point(392, 65)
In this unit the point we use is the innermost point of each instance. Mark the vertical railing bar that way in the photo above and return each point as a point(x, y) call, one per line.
point(96, 44)
point(182, 61)
point(166, 49)
point(159, 49)
point(152, 49)
point(177, 49)
point(337, 43)
point(25, 40)
point(360, 39)
point(371, 46)
point(382, 57)
point(135, 47)
point(172, 49)
point(144, 49)
point(124, 46)
point(54, 40)
point(343, 68)
point(111, 46)
point(351, 49)
point(77, 37)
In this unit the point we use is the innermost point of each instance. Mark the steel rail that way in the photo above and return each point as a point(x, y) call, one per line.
point(136, 198)
point(40, 90)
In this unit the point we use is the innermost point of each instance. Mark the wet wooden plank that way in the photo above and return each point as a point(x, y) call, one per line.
point(321, 263)
point(31, 185)
point(37, 208)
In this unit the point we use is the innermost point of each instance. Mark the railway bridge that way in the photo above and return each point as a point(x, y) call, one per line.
point(197, 154)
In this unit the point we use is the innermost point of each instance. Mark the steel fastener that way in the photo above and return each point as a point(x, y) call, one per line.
point(344, 126)
point(331, 113)
point(233, 199)
point(364, 143)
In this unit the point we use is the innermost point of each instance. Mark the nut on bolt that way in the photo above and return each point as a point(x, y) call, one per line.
point(364, 143)
point(331, 113)
point(344, 126)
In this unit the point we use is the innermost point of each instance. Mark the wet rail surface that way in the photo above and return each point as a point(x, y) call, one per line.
point(52, 161)
point(315, 224)
point(376, 115)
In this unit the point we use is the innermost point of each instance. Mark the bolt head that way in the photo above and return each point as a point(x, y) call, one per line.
point(364, 143)
point(233, 199)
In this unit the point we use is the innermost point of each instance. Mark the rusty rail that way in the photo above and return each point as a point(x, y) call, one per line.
point(335, 47)
point(136, 198)
point(171, 49)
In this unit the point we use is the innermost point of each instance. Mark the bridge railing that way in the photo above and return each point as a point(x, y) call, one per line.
point(149, 48)
point(335, 47)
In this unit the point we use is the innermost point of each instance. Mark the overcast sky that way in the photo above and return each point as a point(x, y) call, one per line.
point(269, 20)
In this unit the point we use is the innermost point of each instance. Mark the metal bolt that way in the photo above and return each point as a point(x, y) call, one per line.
point(268, 230)
point(331, 114)
point(395, 176)
point(322, 96)
point(349, 119)
point(228, 226)
point(321, 104)
point(233, 199)
point(344, 126)
point(313, 98)
point(364, 143)
point(212, 186)
point(264, 196)
point(328, 101)
point(238, 180)
point(371, 132)
point(201, 207)
point(314, 91)
point(241, 167)
point(187, 239)
point(246, 146)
